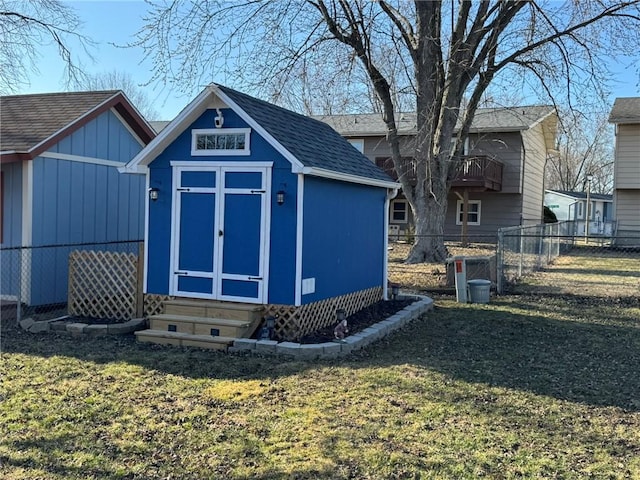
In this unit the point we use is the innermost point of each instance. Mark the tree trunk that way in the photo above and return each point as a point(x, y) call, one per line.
point(429, 216)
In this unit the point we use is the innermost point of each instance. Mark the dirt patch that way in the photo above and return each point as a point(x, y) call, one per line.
point(360, 320)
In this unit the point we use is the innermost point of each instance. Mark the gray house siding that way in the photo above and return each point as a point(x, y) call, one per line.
point(533, 171)
point(626, 196)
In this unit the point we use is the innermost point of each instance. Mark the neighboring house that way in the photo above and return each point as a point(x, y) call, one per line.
point(260, 205)
point(502, 172)
point(59, 182)
point(572, 206)
point(625, 115)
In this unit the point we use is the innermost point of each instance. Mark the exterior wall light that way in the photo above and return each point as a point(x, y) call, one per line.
point(153, 194)
point(280, 197)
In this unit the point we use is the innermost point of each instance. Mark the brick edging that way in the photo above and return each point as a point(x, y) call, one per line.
point(84, 329)
point(335, 349)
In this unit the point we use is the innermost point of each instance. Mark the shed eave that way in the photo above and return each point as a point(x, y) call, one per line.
point(346, 177)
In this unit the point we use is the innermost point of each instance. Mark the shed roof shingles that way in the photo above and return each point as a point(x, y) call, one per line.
point(314, 143)
point(27, 120)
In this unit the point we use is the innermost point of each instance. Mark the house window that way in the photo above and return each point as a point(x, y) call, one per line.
point(473, 212)
point(357, 143)
point(399, 211)
point(226, 141)
point(580, 210)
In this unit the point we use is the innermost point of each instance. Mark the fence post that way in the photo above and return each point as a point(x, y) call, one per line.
point(140, 281)
point(499, 264)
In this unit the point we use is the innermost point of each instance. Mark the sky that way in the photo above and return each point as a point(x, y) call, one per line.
point(113, 23)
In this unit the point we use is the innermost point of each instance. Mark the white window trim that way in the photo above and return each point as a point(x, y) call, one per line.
point(221, 131)
point(459, 212)
point(406, 211)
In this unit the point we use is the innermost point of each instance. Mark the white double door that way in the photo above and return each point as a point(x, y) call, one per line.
point(220, 225)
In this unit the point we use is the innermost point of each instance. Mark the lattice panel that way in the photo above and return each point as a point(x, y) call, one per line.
point(103, 284)
point(154, 303)
point(295, 322)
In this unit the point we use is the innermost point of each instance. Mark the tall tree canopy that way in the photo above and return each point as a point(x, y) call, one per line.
point(443, 55)
point(26, 26)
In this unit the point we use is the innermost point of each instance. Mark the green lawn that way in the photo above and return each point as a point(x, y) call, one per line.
point(528, 386)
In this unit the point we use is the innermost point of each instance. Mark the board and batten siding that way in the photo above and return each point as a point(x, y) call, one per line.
point(82, 202)
point(11, 204)
point(79, 200)
point(282, 255)
point(343, 239)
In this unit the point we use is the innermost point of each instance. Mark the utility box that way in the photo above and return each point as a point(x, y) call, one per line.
point(481, 267)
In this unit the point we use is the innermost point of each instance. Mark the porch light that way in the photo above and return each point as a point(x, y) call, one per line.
point(153, 194)
point(280, 197)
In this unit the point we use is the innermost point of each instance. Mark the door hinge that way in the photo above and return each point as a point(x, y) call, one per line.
point(181, 273)
point(258, 191)
point(183, 189)
point(254, 278)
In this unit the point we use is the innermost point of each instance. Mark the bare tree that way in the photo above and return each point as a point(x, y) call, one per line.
point(118, 80)
point(584, 148)
point(450, 53)
point(28, 25)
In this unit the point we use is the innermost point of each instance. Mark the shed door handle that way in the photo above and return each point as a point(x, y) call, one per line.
point(220, 233)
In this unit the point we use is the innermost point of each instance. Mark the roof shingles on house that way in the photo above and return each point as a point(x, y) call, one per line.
point(31, 123)
point(507, 119)
point(625, 110)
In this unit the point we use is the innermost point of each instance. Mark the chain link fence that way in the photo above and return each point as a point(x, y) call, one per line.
point(506, 257)
point(34, 281)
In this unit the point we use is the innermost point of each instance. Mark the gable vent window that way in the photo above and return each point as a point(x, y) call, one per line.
point(226, 141)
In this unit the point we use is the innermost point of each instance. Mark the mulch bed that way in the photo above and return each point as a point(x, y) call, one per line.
point(360, 320)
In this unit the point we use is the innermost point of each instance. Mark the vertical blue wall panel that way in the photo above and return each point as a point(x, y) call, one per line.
point(343, 238)
point(11, 227)
point(11, 204)
point(78, 202)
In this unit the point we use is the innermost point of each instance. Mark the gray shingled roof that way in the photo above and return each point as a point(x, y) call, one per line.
point(27, 120)
point(485, 120)
point(314, 143)
point(625, 110)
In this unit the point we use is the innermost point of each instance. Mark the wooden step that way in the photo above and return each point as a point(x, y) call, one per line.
point(213, 309)
point(184, 339)
point(200, 325)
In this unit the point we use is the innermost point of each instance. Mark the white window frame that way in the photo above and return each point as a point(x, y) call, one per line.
point(406, 211)
point(195, 152)
point(459, 212)
point(357, 143)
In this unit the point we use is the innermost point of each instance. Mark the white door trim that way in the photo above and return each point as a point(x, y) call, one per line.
point(220, 168)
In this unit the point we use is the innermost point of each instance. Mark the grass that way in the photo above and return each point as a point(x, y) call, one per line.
point(531, 385)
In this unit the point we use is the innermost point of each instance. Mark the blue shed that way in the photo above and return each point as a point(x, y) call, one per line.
point(255, 204)
point(60, 185)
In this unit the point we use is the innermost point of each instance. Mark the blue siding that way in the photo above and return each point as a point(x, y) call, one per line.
point(11, 202)
point(343, 238)
point(283, 218)
point(77, 202)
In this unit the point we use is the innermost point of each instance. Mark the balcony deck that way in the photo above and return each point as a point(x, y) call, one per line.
point(478, 172)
